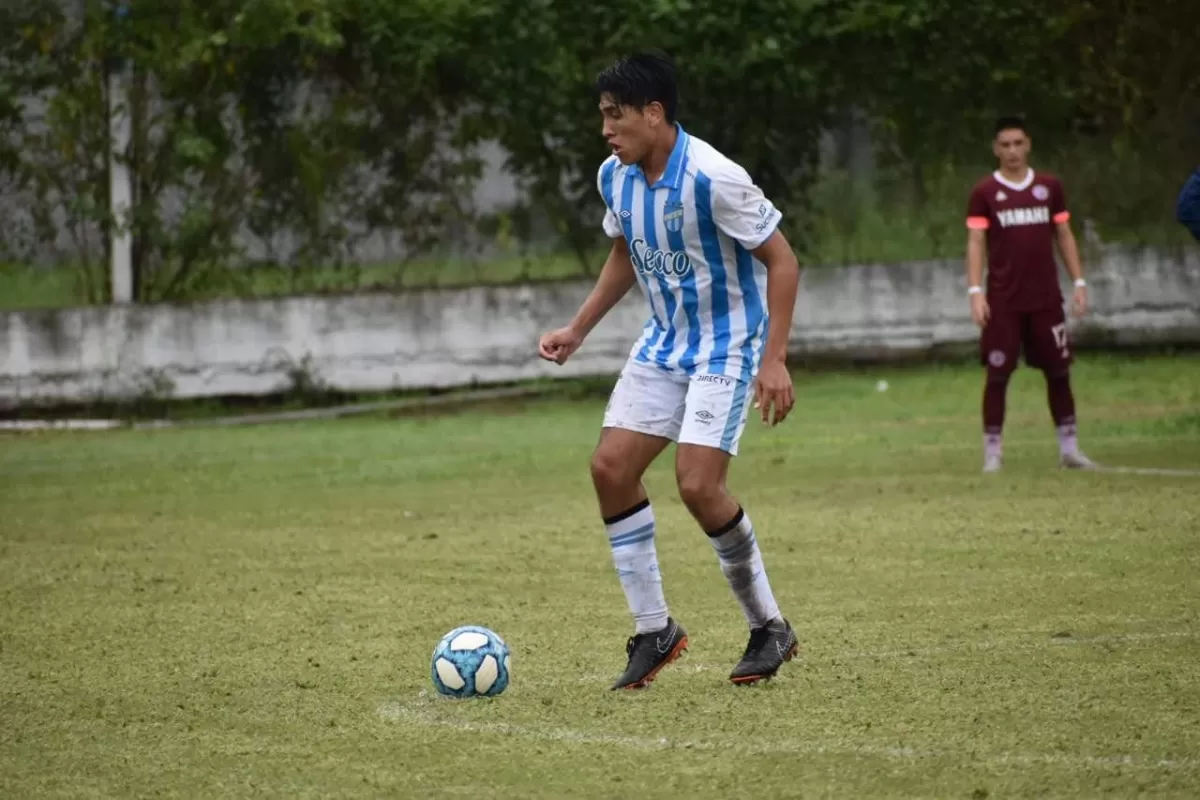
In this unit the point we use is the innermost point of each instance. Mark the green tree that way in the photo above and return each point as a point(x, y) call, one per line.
point(309, 122)
point(759, 80)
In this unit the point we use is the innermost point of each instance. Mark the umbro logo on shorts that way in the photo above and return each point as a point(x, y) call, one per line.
point(704, 416)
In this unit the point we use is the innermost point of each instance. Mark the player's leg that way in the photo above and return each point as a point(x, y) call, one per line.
point(999, 349)
point(1048, 348)
point(642, 418)
point(714, 418)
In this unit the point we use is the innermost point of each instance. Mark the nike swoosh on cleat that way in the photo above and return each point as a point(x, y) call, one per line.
point(664, 645)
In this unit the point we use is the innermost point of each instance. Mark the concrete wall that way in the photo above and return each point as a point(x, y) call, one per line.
point(458, 337)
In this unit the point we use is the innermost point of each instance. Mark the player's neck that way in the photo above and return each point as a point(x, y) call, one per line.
point(655, 162)
point(1015, 175)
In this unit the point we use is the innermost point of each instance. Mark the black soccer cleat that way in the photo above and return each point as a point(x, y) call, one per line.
point(649, 653)
point(769, 646)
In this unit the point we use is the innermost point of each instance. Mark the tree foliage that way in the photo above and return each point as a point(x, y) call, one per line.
point(308, 126)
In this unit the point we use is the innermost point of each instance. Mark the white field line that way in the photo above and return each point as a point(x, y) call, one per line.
point(1175, 473)
point(422, 713)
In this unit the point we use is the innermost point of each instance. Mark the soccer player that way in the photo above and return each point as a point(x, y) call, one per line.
point(1018, 216)
point(691, 228)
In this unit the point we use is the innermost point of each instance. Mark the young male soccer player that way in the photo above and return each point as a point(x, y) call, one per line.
point(700, 238)
point(1019, 215)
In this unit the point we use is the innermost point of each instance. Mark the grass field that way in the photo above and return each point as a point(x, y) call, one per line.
point(250, 611)
point(22, 286)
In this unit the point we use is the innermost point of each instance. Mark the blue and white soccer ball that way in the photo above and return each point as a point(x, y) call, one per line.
point(470, 661)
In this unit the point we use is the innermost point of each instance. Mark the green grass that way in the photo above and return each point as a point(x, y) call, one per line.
point(48, 287)
point(58, 287)
point(250, 611)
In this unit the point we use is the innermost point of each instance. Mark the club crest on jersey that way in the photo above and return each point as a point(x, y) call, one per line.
point(673, 217)
point(1041, 192)
point(652, 261)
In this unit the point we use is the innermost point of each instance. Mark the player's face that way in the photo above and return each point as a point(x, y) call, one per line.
point(1012, 148)
point(629, 131)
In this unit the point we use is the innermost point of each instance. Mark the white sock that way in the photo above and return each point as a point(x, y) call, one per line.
point(741, 561)
point(1068, 444)
point(631, 537)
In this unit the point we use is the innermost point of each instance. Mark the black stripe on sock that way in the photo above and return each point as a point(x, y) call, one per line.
point(728, 526)
point(627, 513)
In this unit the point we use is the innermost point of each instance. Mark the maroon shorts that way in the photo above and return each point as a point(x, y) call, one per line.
point(1042, 335)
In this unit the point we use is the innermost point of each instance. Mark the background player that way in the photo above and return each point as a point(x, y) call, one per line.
point(701, 239)
point(1020, 215)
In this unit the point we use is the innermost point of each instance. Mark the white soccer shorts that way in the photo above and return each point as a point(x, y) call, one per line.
point(699, 409)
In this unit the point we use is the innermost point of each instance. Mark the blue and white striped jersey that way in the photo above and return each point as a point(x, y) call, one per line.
point(690, 235)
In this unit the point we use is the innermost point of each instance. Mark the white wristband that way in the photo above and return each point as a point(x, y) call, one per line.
point(1080, 283)
point(974, 290)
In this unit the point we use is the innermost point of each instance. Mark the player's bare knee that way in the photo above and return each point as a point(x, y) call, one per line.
point(699, 486)
point(696, 490)
point(611, 472)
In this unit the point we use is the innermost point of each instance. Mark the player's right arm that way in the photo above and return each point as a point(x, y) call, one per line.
point(616, 279)
point(978, 220)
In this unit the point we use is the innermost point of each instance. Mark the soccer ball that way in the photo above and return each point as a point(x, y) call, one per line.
point(470, 661)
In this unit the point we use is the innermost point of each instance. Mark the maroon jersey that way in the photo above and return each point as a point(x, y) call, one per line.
point(1020, 221)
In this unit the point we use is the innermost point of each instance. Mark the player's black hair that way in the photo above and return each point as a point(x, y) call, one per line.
point(641, 79)
point(1011, 122)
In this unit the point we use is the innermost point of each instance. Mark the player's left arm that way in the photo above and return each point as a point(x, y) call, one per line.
point(783, 285)
point(1068, 248)
point(745, 214)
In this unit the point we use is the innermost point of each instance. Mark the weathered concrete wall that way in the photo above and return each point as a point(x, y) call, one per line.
point(481, 335)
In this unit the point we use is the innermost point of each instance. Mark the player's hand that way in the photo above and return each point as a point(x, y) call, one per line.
point(557, 346)
point(981, 312)
point(1080, 303)
point(773, 393)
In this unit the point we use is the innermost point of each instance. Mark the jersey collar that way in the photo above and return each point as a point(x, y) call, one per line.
point(1016, 187)
point(672, 176)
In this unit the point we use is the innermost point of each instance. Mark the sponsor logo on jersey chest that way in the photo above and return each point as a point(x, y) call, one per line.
point(1010, 217)
point(652, 261)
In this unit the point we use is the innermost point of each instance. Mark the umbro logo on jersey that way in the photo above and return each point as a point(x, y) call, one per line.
point(1001, 196)
point(626, 214)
